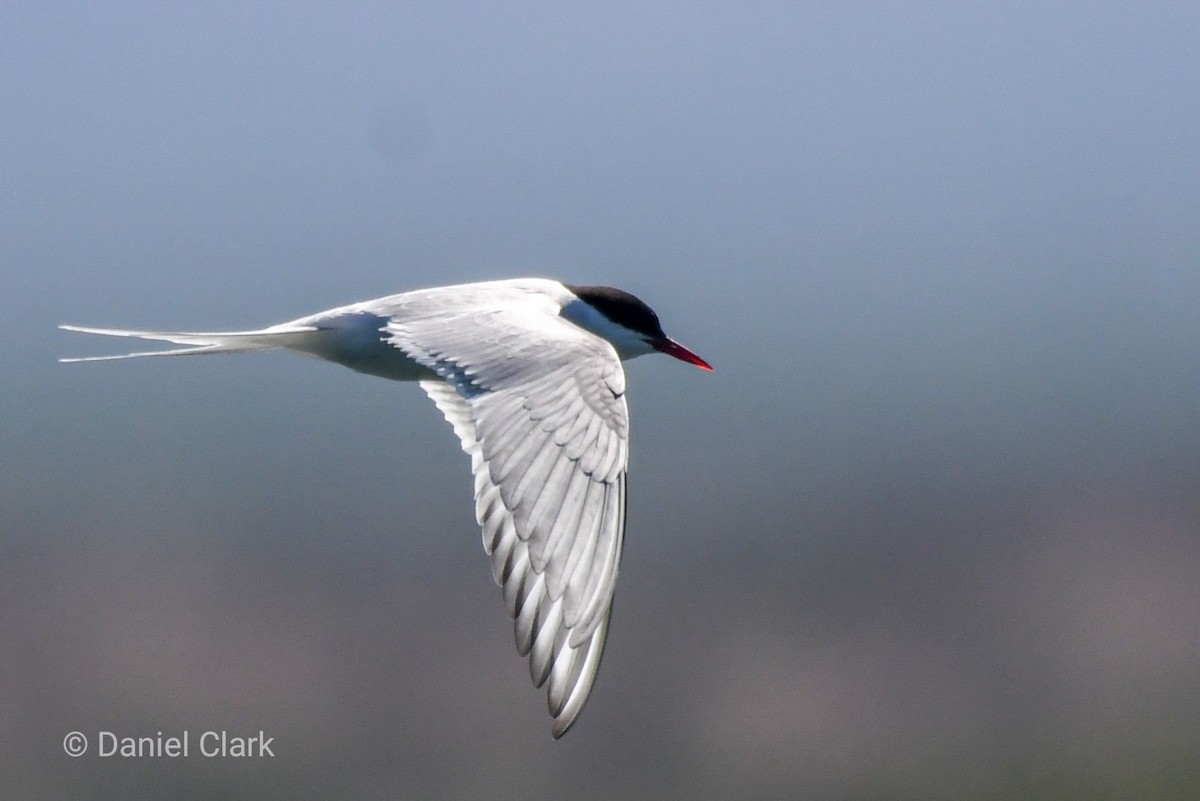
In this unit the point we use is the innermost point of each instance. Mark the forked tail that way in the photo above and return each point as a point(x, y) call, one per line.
point(279, 336)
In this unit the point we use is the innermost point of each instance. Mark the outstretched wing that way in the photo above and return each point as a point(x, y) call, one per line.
point(539, 405)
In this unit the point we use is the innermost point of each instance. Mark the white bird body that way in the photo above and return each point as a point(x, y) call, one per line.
point(528, 373)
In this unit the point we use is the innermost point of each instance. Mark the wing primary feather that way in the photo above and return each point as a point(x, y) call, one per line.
point(514, 585)
point(542, 515)
point(569, 534)
point(608, 545)
point(549, 639)
point(581, 687)
point(502, 559)
point(577, 564)
point(493, 518)
point(524, 624)
point(560, 678)
point(589, 528)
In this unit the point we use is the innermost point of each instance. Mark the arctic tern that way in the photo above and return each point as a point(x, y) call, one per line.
point(528, 373)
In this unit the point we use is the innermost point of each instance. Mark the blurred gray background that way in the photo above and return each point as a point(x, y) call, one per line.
point(929, 531)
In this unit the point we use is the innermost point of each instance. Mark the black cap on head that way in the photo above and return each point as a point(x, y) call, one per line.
point(622, 308)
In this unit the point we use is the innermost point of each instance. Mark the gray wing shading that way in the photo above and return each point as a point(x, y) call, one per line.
point(547, 432)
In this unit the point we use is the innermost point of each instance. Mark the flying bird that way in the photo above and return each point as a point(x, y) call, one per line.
point(528, 373)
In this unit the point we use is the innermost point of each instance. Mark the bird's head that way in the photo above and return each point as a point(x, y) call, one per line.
point(625, 321)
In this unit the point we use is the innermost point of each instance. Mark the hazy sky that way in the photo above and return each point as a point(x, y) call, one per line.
point(928, 215)
point(927, 247)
